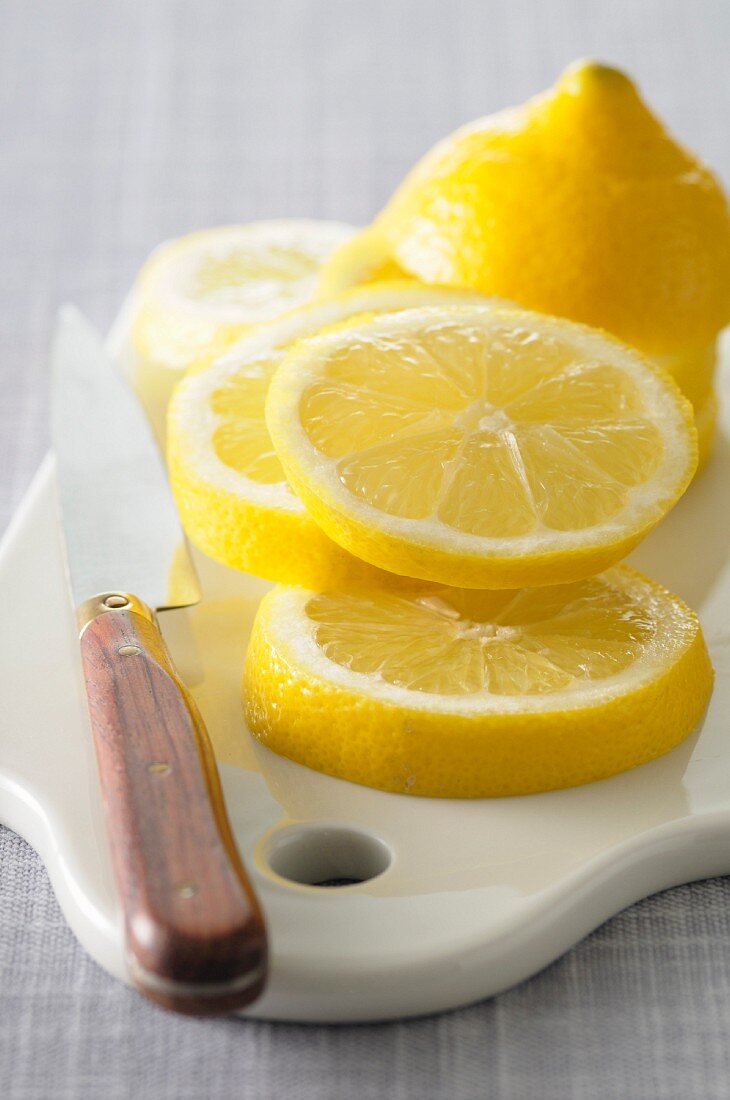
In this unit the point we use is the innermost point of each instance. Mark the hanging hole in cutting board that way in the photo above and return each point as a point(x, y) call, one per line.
point(326, 856)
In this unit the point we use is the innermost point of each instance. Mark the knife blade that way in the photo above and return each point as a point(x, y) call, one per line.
point(120, 521)
point(195, 937)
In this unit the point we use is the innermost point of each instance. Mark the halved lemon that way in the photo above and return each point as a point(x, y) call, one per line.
point(480, 447)
point(233, 498)
point(199, 293)
point(464, 694)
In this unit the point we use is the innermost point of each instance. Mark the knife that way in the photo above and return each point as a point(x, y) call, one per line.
point(195, 937)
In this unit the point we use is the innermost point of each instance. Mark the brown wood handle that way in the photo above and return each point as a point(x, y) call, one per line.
point(195, 936)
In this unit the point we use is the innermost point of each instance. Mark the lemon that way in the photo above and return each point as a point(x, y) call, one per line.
point(198, 294)
point(229, 485)
point(480, 447)
point(455, 693)
point(579, 204)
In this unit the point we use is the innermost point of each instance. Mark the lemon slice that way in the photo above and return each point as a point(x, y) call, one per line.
point(480, 447)
point(458, 693)
point(199, 293)
point(230, 488)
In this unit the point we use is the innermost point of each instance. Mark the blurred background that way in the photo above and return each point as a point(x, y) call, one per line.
point(123, 123)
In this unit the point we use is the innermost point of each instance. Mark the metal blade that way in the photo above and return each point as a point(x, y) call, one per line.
point(120, 521)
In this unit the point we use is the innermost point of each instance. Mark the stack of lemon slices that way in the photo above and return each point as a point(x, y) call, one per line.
point(443, 484)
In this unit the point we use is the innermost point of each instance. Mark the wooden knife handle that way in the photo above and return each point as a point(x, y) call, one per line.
point(195, 936)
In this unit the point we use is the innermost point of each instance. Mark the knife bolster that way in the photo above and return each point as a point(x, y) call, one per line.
point(108, 602)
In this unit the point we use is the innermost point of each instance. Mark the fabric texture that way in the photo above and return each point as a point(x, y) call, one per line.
point(122, 124)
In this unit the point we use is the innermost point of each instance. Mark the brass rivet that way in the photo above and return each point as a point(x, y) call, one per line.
point(157, 767)
point(187, 889)
point(116, 602)
point(129, 650)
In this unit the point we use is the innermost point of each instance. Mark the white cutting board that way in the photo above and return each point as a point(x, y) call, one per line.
point(477, 894)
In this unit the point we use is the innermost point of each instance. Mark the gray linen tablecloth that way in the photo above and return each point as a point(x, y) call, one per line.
point(124, 123)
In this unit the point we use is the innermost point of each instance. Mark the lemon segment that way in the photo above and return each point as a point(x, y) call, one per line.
point(199, 293)
point(480, 447)
point(230, 488)
point(361, 259)
point(463, 694)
